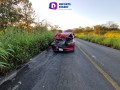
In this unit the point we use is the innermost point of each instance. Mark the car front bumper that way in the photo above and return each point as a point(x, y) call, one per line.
point(67, 48)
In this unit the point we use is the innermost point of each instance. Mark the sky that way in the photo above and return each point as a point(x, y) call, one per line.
point(82, 12)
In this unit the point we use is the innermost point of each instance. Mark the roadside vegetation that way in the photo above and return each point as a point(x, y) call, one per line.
point(17, 48)
point(107, 34)
point(21, 38)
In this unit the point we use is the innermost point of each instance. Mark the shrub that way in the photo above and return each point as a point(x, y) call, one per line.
point(17, 48)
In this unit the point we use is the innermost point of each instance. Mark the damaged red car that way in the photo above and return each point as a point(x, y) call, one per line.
point(63, 42)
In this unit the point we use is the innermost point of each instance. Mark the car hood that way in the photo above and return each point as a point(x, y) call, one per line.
point(62, 35)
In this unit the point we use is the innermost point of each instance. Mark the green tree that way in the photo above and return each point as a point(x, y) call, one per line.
point(78, 30)
point(28, 13)
point(112, 26)
point(99, 29)
point(9, 12)
point(15, 11)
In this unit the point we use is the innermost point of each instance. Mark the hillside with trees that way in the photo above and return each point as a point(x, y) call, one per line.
point(106, 34)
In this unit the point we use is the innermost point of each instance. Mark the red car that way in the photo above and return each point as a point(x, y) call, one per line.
point(63, 42)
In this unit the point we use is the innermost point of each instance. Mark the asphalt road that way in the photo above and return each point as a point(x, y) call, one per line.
point(89, 67)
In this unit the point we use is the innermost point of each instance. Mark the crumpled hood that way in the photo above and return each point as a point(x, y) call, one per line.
point(62, 35)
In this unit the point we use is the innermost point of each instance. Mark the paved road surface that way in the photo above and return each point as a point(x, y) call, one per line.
point(89, 67)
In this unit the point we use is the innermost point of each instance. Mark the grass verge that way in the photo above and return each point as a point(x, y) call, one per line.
point(107, 41)
point(17, 48)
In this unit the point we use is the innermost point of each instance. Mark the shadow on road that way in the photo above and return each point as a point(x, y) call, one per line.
point(64, 52)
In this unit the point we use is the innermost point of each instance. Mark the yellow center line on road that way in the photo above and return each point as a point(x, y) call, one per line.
point(109, 79)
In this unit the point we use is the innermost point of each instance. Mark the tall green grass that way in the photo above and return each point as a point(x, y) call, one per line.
point(17, 48)
point(110, 42)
